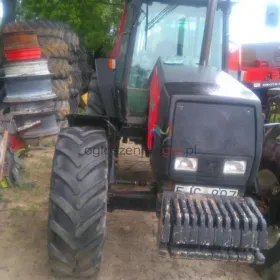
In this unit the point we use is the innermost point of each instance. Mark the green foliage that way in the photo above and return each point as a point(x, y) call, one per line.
point(96, 23)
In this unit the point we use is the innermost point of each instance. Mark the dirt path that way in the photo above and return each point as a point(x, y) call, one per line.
point(130, 250)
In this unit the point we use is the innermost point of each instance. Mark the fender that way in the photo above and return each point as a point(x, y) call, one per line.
point(106, 86)
point(87, 120)
point(110, 126)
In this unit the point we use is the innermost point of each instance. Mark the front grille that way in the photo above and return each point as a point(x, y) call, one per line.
point(214, 129)
point(209, 166)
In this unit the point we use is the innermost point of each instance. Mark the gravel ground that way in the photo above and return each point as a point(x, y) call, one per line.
point(130, 248)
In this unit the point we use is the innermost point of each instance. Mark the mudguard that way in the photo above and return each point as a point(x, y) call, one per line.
point(105, 80)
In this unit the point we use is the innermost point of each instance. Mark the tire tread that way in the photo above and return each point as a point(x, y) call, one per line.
point(79, 189)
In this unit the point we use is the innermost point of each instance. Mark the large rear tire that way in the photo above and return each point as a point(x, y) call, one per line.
point(60, 68)
point(43, 28)
point(53, 47)
point(72, 40)
point(78, 202)
point(272, 265)
point(61, 89)
point(75, 81)
point(62, 109)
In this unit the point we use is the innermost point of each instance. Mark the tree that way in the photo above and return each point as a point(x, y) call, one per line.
point(96, 23)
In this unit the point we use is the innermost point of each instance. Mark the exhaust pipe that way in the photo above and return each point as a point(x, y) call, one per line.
point(208, 32)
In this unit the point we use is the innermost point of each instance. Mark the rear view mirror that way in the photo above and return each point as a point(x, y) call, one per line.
point(272, 15)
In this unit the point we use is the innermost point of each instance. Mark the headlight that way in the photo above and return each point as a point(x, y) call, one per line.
point(235, 167)
point(186, 164)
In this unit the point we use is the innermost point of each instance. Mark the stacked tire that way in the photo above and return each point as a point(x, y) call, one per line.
point(56, 51)
point(80, 68)
point(61, 47)
point(75, 76)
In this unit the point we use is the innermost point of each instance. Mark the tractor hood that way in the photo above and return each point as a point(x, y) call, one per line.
point(209, 112)
point(206, 81)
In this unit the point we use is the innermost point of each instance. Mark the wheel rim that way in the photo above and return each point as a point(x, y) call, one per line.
point(273, 236)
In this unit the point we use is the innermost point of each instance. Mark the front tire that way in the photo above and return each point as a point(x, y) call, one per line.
point(78, 202)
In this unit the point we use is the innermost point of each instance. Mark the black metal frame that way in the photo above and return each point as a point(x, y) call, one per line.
point(105, 79)
point(132, 200)
point(226, 36)
point(208, 32)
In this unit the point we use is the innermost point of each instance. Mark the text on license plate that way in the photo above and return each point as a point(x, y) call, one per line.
point(206, 190)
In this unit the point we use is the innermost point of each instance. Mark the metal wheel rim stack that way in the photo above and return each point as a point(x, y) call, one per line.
point(60, 46)
point(29, 94)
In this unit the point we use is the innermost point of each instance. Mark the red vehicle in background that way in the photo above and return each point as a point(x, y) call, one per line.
point(255, 61)
point(257, 66)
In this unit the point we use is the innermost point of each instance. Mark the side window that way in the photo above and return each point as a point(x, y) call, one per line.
point(142, 62)
point(124, 45)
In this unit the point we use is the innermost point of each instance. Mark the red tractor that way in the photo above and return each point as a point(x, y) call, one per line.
point(167, 89)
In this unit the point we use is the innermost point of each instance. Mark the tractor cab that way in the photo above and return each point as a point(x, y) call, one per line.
point(170, 30)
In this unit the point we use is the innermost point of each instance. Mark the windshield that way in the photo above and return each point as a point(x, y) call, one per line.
point(175, 34)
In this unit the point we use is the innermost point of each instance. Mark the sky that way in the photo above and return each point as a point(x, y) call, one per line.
point(247, 23)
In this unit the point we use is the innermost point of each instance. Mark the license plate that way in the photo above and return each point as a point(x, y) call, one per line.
point(206, 190)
